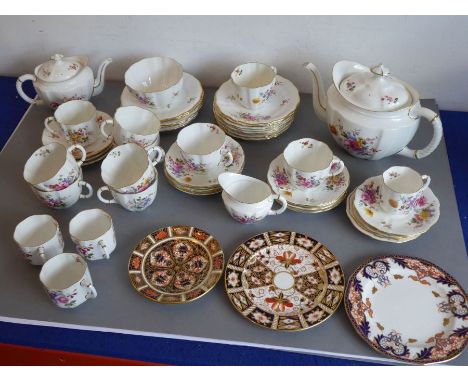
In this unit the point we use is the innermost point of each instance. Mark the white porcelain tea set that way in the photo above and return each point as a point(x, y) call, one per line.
point(369, 113)
point(130, 176)
point(160, 85)
point(255, 103)
point(396, 206)
point(65, 276)
point(309, 176)
point(62, 79)
point(200, 154)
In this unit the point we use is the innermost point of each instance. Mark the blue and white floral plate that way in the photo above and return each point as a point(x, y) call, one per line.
point(408, 309)
point(190, 177)
point(327, 194)
point(367, 203)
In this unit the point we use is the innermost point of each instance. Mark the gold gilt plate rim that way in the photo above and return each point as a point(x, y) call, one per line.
point(190, 229)
point(343, 276)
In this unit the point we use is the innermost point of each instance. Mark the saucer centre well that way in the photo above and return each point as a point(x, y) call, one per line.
point(283, 280)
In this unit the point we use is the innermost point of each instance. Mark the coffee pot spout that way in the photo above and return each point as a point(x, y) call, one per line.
point(318, 95)
point(99, 81)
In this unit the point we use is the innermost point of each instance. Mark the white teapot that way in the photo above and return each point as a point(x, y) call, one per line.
point(371, 114)
point(63, 79)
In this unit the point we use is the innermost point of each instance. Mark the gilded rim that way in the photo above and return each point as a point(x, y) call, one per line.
point(153, 240)
point(370, 231)
point(194, 109)
point(316, 247)
point(317, 209)
point(347, 305)
point(245, 123)
point(254, 125)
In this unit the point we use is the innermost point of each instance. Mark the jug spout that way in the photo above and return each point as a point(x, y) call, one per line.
point(318, 96)
point(226, 179)
point(99, 81)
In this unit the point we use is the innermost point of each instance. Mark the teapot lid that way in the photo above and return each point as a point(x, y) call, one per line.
point(59, 68)
point(375, 90)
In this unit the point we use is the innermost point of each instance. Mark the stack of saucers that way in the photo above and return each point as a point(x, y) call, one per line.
point(383, 209)
point(202, 152)
point(256, 103)
point(160, 85)
point(316, 189)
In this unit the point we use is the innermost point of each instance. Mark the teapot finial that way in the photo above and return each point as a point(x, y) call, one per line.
point(380, 70)
point(57, 57)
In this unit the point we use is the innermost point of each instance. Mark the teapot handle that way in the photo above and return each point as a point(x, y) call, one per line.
point(415, 113)
point(19, 88)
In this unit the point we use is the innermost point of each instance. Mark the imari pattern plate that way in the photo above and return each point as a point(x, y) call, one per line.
point(408, 309)
point(284, 281)
point(175, 265)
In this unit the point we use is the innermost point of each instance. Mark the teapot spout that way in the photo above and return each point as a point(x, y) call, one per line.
point(99, 81)
point(318, 96)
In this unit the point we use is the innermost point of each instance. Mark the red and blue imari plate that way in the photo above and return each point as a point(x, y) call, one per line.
point(284, 280)
point(408, 309)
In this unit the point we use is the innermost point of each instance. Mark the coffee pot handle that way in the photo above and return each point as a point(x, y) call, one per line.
point(19, 88)
point(432, 117)
point(284, 205)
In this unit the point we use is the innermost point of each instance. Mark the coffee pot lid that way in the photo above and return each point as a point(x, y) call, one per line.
point(375, 90)
point(59, 68)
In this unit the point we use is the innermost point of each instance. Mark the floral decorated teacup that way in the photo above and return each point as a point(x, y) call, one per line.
point(402, 190)
point(66, 197)
point(67, 280)
point(155, 81)
point(93, 233)
point(133, 124)
point(39, 238)
point(53, 167)
point(254, 83)
point(77, 120)
point(247, 199)
point(128, 169)
point(137, 201)
point(310, 163)
point(203, 145)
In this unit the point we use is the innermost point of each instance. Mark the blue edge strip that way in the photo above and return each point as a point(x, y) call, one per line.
point(183, 352)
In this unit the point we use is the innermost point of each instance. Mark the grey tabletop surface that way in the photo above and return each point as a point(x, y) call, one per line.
point(120, 308)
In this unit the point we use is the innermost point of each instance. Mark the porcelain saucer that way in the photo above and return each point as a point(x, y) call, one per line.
point(322, 196)
point(370, 231)
point(408, 309)
point(190, 95)
point(367, 203)
point(93, 151)
point(189, 175)
point(284, 101)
